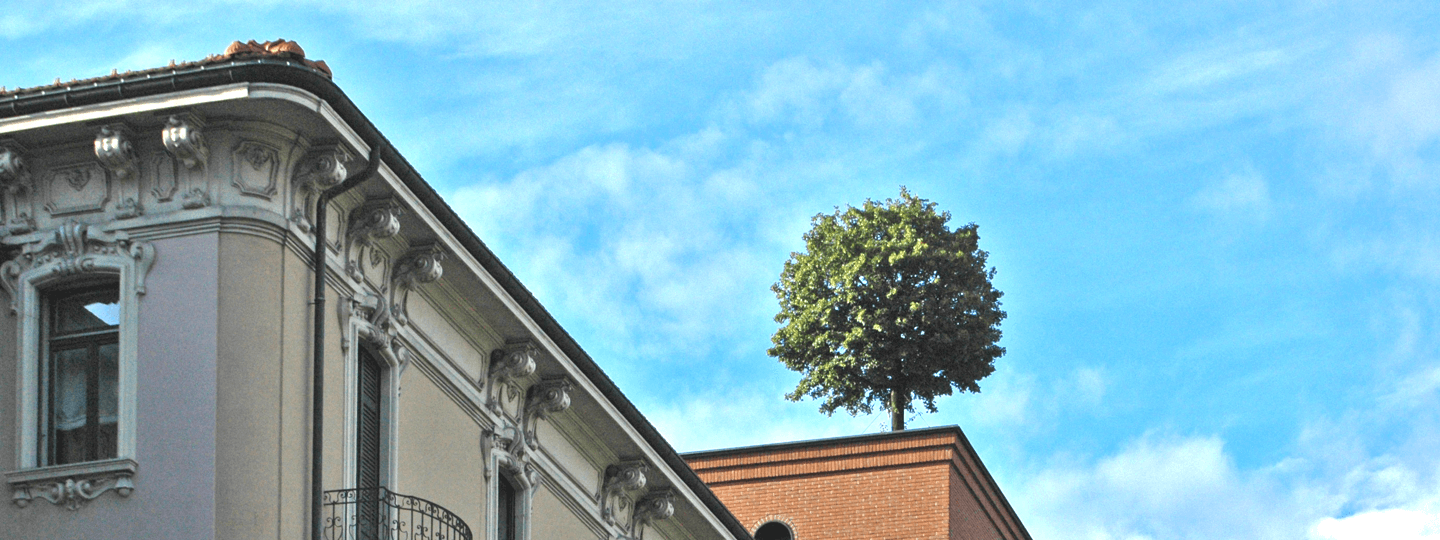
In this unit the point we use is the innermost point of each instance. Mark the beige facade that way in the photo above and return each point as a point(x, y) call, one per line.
point(190, 190)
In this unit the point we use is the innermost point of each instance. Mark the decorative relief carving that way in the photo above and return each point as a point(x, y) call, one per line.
point(376, 219)
point(76, 189)
point(255, 169)
point(113, 149)
point(75, 248)
point(421, 265)
point(321, 167)
point(516, 360)
point(183, 138)
point(195, 198)
point(18, 188)
point(544, 398)
point(128, 208)
point(655, 506)
point(621, 480)
point(13, 171)
point(74, 485)
point(164, 177)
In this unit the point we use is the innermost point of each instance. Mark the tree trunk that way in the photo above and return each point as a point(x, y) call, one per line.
point(897, 410)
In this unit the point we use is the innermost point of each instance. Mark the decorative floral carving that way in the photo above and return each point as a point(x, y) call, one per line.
point(74, 248)
point(256, 168)
point(515, 360)
point(183, 138)
point(620, 480)
point(113, 149)
point(72, 486)
point(76, 189)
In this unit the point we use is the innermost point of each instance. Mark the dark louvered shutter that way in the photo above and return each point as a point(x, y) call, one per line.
point(367, 458)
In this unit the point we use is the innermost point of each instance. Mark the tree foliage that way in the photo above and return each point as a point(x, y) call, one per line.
point(887, 307)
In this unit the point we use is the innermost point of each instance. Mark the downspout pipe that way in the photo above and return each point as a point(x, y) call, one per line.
point(317, 433)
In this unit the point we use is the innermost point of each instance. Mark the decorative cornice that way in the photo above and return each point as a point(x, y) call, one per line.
point(73, 485)
point(183, 138)
point(113, 149)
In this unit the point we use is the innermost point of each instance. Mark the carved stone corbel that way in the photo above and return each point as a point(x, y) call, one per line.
point(183, 138)
point(321, 167)
point(113, 149)
point(14, 174)
point(18, 186)
point(421, 265)
point(621, 479)
point(544, 398)
point(373, 220)
point(515, 360)
point(654, 506)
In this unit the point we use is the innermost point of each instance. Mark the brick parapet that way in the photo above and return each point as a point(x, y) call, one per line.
point(917, 484)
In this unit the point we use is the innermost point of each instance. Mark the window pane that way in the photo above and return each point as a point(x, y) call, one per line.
point(109, 399)
point(89, 311)
point(68, 405)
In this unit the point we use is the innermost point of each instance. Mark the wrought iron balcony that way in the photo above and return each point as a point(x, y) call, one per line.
point(380, 514)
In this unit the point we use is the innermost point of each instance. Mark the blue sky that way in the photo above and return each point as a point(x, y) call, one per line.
point(1217, 226)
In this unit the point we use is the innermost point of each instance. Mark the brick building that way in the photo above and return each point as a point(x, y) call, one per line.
point(914, 484)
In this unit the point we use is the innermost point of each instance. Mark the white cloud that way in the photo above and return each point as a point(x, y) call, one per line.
point(1391, 524)
point(1244, 196)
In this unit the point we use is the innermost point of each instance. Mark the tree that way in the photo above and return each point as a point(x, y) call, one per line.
point(887, 306)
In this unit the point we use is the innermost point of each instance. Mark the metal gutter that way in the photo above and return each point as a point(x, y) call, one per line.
point(296, 74)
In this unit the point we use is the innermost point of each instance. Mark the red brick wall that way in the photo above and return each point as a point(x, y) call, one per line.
point(901, 503)
point(925, 485)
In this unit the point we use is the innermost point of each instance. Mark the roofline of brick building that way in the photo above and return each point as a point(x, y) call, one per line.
point(291, 69)
point(845, 440)
point(963, 445)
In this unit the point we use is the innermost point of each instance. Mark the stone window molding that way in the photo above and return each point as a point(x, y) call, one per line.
point(506, 449)
point(73, 485)
point(74, 252)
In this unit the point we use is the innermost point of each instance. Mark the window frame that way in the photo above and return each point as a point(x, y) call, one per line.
point(92, 340)
point(72, 256)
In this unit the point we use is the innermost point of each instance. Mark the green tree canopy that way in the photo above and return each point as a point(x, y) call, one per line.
point(887, 306)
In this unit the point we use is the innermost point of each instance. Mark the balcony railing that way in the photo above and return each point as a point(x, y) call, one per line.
point(380, 514)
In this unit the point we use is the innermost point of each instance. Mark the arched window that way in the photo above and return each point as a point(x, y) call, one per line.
point(773, 530)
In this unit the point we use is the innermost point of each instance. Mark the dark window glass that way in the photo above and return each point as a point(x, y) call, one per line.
point(505, 522)
point(82, 375)
point(773, 530)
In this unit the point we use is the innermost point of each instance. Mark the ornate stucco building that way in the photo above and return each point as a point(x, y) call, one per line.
point(162, 324)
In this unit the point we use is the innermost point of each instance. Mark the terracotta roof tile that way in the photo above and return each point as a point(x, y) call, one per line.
point(279, 48)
